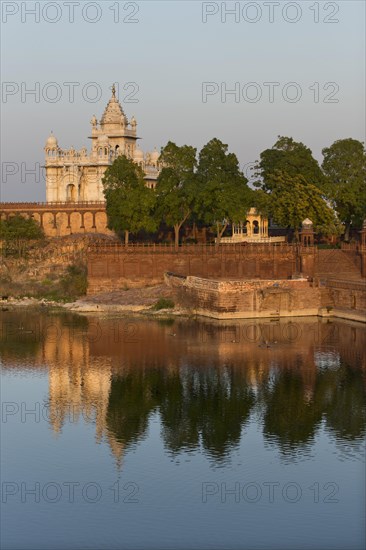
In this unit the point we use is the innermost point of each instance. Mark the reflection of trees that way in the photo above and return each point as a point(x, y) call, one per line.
point(204, 403)
point(24, 332)
point(194, 404)
point(344, 402)
point(291, 420)
point(19, 337)
point(131, 400)
point(211, 404)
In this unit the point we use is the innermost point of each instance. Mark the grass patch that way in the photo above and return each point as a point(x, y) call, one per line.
point(163, 303)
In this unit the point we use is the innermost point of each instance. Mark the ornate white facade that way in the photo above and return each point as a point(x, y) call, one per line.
point(76, 176)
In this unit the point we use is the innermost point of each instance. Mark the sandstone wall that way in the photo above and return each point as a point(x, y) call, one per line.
point(347, 298)
point(269, 298)
point(61, 219)
point(110, 268)
point(246, 298)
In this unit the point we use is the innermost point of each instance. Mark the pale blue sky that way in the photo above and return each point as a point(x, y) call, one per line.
point(169, 53)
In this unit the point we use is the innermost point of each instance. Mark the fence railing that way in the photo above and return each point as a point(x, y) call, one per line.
point(28, 205)
point(353, 247)
point(344, 283)
point(192, 248)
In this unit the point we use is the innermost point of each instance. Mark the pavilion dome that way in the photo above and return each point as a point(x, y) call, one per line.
point(138, 154)
point(155, 155)
point(51, 142)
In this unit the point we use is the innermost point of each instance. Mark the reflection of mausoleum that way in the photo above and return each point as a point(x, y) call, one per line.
point(254, 229)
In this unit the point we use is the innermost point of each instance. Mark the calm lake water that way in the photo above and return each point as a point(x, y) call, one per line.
point(125, 433)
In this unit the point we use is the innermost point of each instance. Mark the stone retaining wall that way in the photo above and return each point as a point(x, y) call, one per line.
point(246, 298)
point(269, 298)
point(111, 268)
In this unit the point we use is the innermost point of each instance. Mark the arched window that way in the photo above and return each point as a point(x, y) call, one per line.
point(255, 227)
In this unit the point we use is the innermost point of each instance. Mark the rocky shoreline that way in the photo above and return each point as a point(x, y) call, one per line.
point(159, 302)
point(141, 301)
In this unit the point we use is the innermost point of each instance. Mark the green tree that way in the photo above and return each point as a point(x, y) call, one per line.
point(129, 203)
point(293, 199)
point(262, 202)
point(224, 195)
point(17, 231)
point(344, 165)
point(291, 157)
point(176, 189)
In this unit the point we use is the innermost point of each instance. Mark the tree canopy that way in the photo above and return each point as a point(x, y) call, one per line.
point(211, 189)
point(292, 158)
point(176, 190)
point(294, 199)
point(129, 203)
point(20, 228)
point(344, 165)
point(17, 231)
point(224, 195)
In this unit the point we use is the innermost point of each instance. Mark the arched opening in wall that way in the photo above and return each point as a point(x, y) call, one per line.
point(37, 217)
point(255, 227)
point(61, 224)
point(76, 223)
point(88, 223)
point(71, 193)
point(101, 223)
point(116, 149)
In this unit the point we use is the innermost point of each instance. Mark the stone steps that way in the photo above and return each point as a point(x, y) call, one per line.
point(336, 264)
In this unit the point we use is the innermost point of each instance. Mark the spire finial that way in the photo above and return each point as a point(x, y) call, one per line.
point(113, 90)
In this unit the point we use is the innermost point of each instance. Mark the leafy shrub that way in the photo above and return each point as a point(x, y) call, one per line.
point(74, 283)
point(18, 233)
point(163, 303)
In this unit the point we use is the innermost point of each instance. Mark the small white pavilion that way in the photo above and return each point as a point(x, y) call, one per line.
point(253, 230)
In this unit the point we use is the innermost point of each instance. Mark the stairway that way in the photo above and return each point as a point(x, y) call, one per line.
point(336, 264)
